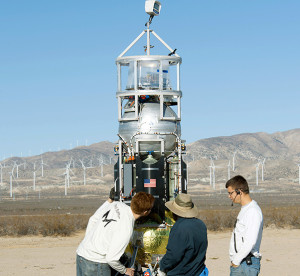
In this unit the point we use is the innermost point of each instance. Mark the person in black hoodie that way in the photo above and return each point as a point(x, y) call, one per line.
point(187, 245)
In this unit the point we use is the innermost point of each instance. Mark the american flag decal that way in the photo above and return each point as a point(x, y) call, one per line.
point(149, 183)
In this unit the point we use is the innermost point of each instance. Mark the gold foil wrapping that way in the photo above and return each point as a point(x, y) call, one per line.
point(151, 239)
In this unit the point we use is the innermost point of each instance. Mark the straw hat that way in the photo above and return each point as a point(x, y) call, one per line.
point(182, 206)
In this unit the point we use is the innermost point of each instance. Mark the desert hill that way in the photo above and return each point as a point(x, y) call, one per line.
point(249, 146)
point(280, 152)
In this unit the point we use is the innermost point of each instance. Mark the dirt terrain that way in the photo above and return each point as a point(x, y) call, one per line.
point(38, 255)
point(49, 256)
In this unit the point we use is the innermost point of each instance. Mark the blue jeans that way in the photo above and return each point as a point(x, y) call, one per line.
point(246, 270)
point(85, 267)
point(205, 272)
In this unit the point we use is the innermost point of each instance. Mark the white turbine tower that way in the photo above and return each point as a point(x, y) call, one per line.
point(67, 176)
point(1, 172)
point(299, 172)
point(17, 166)
point(34, 176)
point(42, 165)
point(262, 169)
point(212, 176)
point(210, 172)
point(233, 161)
point(101, 164)
point(11, 177)
point(66, 184)
point(257, 168)
point(228, 169)
point(84, 173)
point(10, 183)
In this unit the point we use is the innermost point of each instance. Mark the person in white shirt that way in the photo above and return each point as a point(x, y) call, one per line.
point(247, 233)
point(107, 235)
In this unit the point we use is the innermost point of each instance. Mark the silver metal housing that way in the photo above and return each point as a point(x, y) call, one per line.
point(148, 130)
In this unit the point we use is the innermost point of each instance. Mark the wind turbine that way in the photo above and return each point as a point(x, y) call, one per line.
point(257, 168)
point(34, 175)
point(233, 161)
point(23, 164)
point(299, 172)
point(228, 169)
point(262, 169)
point(11, 177)
point(212, 176)
point(67, 178)
point(210, 172)
point(42, 165)
point(1, 168)
point(101, 164)
point(66, 184)
point(84, 173)
point(67, 175)
point(10, 183)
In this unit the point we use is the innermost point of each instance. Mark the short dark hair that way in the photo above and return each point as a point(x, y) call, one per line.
point(141, 202)
point(238, 182)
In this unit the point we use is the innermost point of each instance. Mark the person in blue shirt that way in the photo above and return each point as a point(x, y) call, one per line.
point(187, 245)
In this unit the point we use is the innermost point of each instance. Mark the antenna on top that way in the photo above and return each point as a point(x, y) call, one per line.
point(153, 8)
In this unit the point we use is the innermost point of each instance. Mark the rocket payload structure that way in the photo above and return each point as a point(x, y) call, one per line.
point(150, 147)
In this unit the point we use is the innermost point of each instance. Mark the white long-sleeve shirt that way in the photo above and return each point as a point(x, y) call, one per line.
point(107, 235)
point(247, 234)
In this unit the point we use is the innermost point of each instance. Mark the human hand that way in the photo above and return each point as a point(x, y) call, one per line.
point(112, 194)
point(233, 265)
point(129, 271)
point(161, 273)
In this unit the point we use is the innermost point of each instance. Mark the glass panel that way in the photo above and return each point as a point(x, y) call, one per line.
point(148, 74)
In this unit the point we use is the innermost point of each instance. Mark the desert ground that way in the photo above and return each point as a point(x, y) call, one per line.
point(36, 255)
point(55, 255)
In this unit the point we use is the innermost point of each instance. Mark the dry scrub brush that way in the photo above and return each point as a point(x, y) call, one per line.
point(282, 217)
point(46, 225)
point(65, 225)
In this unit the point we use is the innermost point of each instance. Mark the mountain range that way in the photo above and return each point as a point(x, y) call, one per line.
point(278, 152)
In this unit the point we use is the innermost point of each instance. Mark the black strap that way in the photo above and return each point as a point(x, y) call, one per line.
point(234, 236)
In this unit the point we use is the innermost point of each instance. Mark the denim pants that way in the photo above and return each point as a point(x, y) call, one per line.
point(85, 267)
point(246, 270)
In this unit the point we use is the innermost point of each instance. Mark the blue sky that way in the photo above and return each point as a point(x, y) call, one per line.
point(240, 70)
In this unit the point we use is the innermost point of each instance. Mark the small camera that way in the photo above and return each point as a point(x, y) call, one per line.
point(248, 260)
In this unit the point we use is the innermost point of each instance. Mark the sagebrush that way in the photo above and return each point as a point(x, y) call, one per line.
point(65, 225)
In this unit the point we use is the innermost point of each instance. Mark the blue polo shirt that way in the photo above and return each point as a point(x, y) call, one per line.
point(186, 249)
